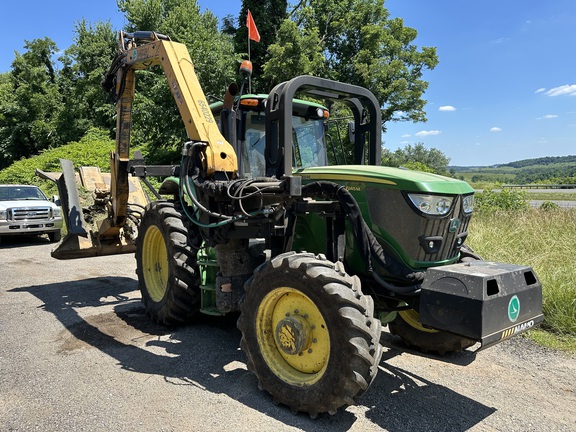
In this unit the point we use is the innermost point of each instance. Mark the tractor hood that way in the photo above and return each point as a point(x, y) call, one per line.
point(387, 177)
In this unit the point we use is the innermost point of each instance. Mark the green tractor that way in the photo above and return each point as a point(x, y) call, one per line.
point(313, 244)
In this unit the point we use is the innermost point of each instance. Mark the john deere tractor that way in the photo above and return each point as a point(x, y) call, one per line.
point(313, 243)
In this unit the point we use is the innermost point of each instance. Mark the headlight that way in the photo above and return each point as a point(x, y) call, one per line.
point(468, 203)
point(56, 212)
point(431, 204)
point(3, 214)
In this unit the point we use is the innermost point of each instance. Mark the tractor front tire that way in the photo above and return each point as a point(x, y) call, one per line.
point(166, 266)
point(415, 335)
point(309, 333)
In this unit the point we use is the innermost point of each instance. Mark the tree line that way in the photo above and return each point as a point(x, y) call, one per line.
point(548, 160)
point(48, 100)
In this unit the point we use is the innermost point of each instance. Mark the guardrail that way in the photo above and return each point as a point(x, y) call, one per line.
point(540, 186)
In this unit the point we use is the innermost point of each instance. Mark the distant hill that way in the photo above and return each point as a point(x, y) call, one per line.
point(547, 160)
point(556, 169)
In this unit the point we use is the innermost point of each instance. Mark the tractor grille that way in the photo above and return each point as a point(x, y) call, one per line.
point(29, 213)
point(440, 227)
point(390, 213)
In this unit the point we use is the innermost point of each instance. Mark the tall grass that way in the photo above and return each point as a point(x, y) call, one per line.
point(545, 240)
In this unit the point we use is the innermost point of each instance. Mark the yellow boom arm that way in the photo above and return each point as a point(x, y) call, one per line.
point(217, 156)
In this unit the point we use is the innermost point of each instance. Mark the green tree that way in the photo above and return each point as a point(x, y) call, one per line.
point(294, 53)
point(361, 45)
point(6, 101)
point(417, 157)
point(31, 103)
point(84, 64)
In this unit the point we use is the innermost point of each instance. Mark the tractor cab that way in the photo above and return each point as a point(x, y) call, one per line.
point(309, 125)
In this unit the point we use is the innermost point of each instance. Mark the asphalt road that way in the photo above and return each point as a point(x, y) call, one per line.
point(78, 353)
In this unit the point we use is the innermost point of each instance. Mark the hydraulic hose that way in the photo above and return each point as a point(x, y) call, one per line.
point(187, 188)
point(369, 248)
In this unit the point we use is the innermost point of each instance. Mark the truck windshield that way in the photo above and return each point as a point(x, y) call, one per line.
point(309, 146)
point(16, 193)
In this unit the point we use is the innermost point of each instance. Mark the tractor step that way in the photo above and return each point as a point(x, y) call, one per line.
point(485, 301)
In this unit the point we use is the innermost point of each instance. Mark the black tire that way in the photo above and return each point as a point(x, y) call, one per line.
point(168, 275)
point(309, 333)
point(407, 327)
point(413, 334)
point(467, 254)
point(55, 236)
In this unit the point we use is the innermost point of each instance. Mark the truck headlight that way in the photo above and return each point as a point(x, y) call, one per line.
point(56, 212)
point(431, 204)
point(3, 214)
point(468, 204)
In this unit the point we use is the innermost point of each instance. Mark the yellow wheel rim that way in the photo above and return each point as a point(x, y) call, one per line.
point(155, 263)
point(411, 317)
point(293, 336)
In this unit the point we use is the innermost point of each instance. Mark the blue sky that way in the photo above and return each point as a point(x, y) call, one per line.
point(504, 90)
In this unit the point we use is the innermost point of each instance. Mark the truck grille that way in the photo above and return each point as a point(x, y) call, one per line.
point(29, 213)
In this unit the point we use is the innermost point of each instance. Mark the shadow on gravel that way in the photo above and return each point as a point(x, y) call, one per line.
point(403, 401)
point(206, 355)
point(19, 241)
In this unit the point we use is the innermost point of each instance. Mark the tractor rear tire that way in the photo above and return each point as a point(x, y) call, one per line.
point(168, 275)
point(309, 333)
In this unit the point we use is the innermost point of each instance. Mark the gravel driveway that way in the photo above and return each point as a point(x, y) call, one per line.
point(78, 353)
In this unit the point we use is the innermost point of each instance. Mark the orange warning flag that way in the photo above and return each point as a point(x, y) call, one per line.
point(252, 30)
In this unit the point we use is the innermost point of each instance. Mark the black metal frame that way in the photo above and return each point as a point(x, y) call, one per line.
point(365, 109)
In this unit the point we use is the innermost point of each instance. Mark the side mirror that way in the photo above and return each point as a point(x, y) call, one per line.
point(56, 200)
point(351, 131)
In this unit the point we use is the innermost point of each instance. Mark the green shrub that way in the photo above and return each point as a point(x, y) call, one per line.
point(418, 166)
point(506, 200)
point(549, 206)
point(92, 150)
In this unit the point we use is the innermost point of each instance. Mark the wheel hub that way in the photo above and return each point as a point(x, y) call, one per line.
point(293, 334)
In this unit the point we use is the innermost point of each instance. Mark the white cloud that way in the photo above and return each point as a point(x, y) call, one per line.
point(406, 136)
point(567, 89)
point(540, 90)
point(547, 117)
point(495, 129)
point(427, 133)
point(447, 108)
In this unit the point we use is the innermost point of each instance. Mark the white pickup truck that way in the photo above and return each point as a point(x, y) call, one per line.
point(26, 210)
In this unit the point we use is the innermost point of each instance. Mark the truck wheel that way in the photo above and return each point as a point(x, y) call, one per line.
point(309, 333)
point(168, 275)
point(415, 335)
point(55, 236)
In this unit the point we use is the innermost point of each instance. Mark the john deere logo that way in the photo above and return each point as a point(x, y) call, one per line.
point(454, 225)
point(514, 308)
